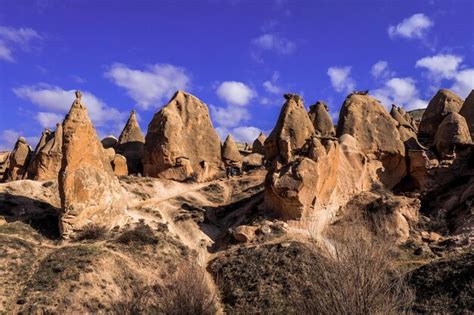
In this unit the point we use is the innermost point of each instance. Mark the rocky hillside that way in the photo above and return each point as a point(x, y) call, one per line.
point(374, 215)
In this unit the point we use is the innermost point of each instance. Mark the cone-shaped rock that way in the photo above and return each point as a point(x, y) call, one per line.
point(18, 160)
point(181, 141)
point(46, 162)
point(230, 152)
point(376, 132)
point(443, 103)
point(467, 111)
point(258, 144)
point(291, 131)
point(322, 122)
point(452, 132)
point(88, 188)
point(131, 144)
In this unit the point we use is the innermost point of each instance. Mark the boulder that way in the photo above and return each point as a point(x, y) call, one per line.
point(181, 142)
point(119, 164)
point(258, 144)
point(109, 142)
point(46, 162)
point(291, 131)
point(18, 160)
point(109, 154)
point(467, 111)
point(88, 188)
point(443, 103)
point(131, 144)
point(244, 233)
point(376, 133)
point(253, 160)
point(451, 133)
point(230, 153)
point(322, 121)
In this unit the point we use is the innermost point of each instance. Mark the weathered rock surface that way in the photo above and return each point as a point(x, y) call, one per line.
point(88, 188)
point(181, 141)
point(119, 164)
point(230, 153)
point(467, 111)
point(452, 132)
point(291, 131)
point(131, 144)
point(253, 160)
point(258, 144)
point(46, 161)
point(321, 119)
point(109, 142)
point(376, 132)
point(443, 103)
point(4, 159)
point(18, 160)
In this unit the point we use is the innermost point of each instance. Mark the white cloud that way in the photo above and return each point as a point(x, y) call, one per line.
point(12, 38)
point(58, 100)
point(464, 82)
point(9, 137)
point(400, 91)
point(152, 86)
point(235, 93)
point(273, 42)
point(271, 87)
point(413, 27)
point(244, 134)
point(341, 79)
point(49, 120)
point(440, 66)
point(380, 70)
point(229, 116)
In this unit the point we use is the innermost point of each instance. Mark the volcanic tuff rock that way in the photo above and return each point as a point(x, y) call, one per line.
point(88, 188)
point(119, 164)
point(131, 144)
point(452, 132)
point(443, 103)
point(46, 161)
point(109, 142)
point(406, 130)
point(467, 111)
point(230, 153)
point(258, 144)
point(181, 141)
point(322, 121)
point(291, 131)
point(376, 132)
point(18, 160)
point(4, 158)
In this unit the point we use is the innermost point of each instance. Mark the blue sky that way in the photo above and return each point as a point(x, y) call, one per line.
point(238, 56)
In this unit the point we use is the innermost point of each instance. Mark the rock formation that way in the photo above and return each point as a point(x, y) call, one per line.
point(322, 121)
point(405, 128)
point(88, 188)
point(109, 142)
point(131, 144)
point(119, 164)
point(467, 111)
point(46, 161)
point(4, 158)
point(230, 153)
point(452, 132)
point(258, 144)
point(376, 132)
point(443, 103)
point(291, 131)
point(181, 142)
point(18, 160)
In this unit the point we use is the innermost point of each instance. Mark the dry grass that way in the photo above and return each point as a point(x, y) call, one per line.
point(359, 277)
point(92, 231)
point(186, 292)
point(141, 234)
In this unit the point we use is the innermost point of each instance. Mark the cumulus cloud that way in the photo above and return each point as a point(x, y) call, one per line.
point(270, 87)
point(441, 66)
point(245, 134)
point(400, 91)
point(464, 82)
point(380, 70)
point(235, 93)
point(152, 86)
point(275, 43)
point(48, 119)
point(12, 38)
point(341, 79)
point(9, 137)
point(57, 100)
point(413, 27)
point(229, 116)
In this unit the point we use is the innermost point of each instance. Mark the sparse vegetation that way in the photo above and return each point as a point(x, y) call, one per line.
point(141, 234)
point(92, 232)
